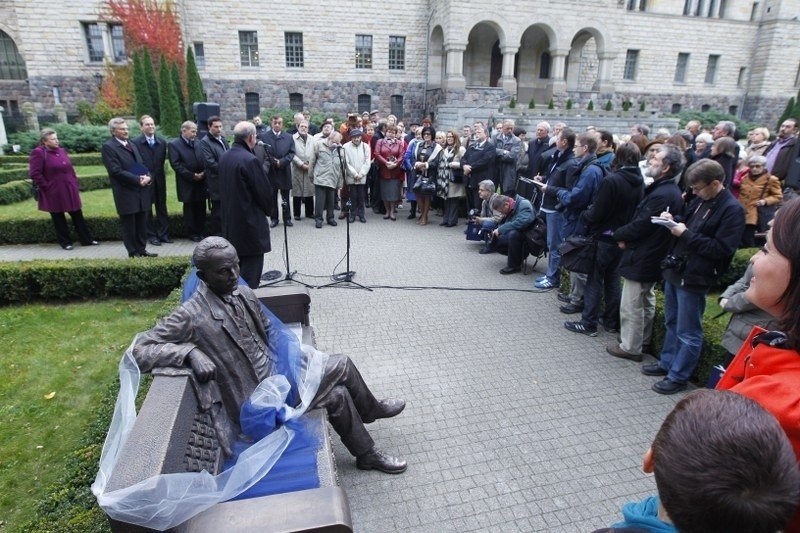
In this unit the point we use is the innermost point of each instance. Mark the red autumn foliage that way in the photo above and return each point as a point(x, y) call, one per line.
point(151, 24)
point(113, 89)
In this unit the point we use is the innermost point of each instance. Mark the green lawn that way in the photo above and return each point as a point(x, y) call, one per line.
point(95, 203)
point(56, 362)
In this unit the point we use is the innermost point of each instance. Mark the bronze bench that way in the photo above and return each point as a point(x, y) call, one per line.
point(171, 435)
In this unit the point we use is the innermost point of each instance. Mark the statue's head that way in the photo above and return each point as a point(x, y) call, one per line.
point(217, 265)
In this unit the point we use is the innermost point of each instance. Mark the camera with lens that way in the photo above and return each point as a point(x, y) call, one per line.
point(672, 262)
point(473, 213)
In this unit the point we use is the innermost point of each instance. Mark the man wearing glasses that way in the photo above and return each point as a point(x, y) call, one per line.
point(705, 238)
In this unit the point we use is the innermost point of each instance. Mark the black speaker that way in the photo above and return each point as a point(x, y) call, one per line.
point(202, 112)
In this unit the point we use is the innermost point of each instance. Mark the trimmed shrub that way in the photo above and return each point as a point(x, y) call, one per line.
point(74, 279)
point(194, 85)
point(37, 228)
point(16, 191)
point(74, 138)
point(590, 107)
point(15, 173)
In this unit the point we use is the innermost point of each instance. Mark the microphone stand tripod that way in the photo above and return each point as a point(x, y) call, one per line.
point(348, 275)
point(289, 276)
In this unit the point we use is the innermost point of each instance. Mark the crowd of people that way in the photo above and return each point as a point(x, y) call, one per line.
point(668, 208)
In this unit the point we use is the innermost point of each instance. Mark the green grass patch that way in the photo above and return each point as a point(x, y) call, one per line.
point(57, 362)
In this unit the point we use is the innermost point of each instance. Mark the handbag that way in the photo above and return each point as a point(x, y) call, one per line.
point(765, 212)
point(424, 185)
point(577, 253)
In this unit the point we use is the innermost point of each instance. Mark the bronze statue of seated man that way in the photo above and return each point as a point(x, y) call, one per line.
point(221, 333)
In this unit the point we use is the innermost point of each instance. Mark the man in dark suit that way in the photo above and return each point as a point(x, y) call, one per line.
point(536, 148)
point(247, 202)
point(130, 184)
point(478, 165)
point(213, 146)
point(280, 175)
point(153, 150)
point(186, 160)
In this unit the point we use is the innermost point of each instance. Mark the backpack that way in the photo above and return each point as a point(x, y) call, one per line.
point(536, 238)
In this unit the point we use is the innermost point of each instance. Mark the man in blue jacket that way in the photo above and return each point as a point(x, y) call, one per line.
point(509, 236)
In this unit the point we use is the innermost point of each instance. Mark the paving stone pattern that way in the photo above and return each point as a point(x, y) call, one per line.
point(512, 424)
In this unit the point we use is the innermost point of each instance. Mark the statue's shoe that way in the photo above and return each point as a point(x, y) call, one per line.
point(387, 409)
point(378, 460)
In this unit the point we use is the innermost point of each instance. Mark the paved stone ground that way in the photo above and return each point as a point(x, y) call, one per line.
point(513, 423)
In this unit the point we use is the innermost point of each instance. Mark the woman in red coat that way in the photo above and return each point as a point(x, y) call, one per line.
point(767, 367)
point(51, 171)
point(389, 153)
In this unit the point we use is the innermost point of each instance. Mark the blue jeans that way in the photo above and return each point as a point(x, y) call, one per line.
point(683, 315)
point(603, 282)
point(553, 221)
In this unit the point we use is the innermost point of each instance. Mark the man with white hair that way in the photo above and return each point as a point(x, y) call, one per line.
point(245, 202)
point(536, 147)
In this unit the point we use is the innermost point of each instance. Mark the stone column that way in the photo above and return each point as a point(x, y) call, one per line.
point(454, 70)
point(604, 84)
point(3, 138)
point(558, 65)
point(31, 118)
point(507, 80)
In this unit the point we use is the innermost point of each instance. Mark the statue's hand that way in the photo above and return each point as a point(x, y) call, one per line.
point(203, 368)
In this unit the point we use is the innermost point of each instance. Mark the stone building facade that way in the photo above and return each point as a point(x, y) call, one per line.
point(423, 55)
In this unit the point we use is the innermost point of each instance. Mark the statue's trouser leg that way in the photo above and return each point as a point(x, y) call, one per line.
point(348, 401)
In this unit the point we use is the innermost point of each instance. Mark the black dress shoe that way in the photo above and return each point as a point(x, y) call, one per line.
point(167, 240)
point(332, 222)
point(298, 217)
point(318, 224)
point(653, 370)
point(92, 243)
point(67, 246)
point(288, 222)
point(667, 386)
point(510, 270)
point(563, 298)
point(362, 219)
point(377, 460)
point(273, 223)
point(351, 219)
point(155, 242)
point(570, 309)
point(412, 215)
point(148, 254)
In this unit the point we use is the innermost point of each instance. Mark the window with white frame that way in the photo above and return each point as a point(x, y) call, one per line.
point(397, 52)
point(363, 51)
point(294, 49)
point(248, 48)
point(711, 69)
point(681, 67)
point(631, 60)
point(199, 54)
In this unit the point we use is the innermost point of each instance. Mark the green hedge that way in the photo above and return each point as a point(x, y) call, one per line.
point(89, 278)
point(75, 138)
point(78, 160)
point(13, 173)
point(16, 191)
point(712, 352)
point(69, 505)
point(20, 190)
point(37, 229)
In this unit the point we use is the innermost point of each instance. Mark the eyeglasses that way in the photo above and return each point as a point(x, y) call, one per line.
point(756, 165)
point(697, 188)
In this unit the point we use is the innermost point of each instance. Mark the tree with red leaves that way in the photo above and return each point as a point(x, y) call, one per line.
point(150, 24)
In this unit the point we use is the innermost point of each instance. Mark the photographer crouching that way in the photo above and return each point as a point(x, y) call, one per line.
point(508, 237)
point(705, 238)
point(486, 216)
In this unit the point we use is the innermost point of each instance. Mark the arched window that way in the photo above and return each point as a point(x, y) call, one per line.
point(12, 66)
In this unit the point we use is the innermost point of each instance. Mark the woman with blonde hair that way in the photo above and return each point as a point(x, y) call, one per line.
point(52, 172)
